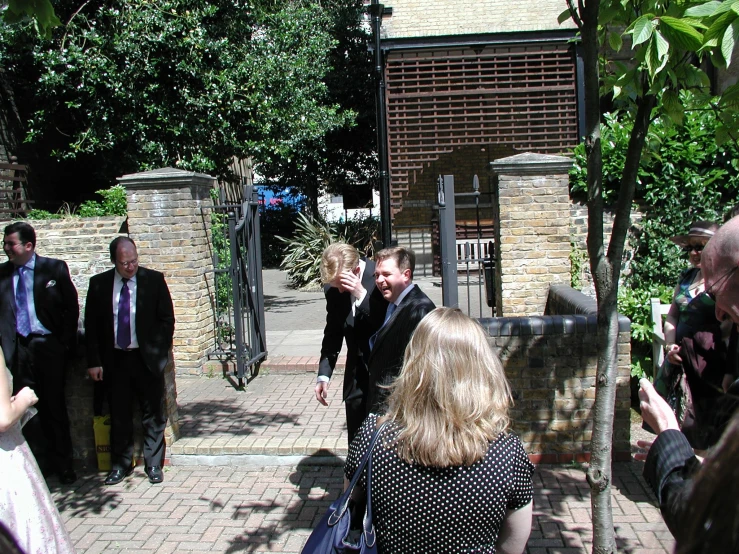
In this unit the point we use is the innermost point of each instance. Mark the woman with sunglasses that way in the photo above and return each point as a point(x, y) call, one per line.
point(691, 316)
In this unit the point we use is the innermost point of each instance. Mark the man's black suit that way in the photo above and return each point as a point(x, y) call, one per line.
point(132, 373)
point(38, 361)
point(356, 329)
point(386, 358)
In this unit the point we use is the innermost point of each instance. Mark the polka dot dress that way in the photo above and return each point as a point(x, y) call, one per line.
point(429, 510)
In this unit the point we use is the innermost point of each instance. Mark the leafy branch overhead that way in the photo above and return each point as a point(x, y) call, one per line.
point(666, 40)
point(41, 12)
point(184, 83)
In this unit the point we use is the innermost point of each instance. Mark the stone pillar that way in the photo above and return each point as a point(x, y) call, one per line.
point(533, 231)
point(169, 218)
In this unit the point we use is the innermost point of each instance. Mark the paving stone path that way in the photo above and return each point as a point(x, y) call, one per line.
point(255, 469)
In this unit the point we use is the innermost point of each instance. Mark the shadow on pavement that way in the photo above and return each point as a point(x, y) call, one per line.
point(227, 418)
point(284, 304)
point(88, 496)
point(319, 480)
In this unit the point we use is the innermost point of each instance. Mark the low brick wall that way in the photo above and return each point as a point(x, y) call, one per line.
point(551, 363)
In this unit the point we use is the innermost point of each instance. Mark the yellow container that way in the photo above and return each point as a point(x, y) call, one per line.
point(101, 427)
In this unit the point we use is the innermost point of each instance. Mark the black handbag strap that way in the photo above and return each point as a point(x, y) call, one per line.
point(369, 528)
point(366, 459)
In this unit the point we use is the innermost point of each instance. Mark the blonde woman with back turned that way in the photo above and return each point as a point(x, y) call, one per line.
point(446, 475)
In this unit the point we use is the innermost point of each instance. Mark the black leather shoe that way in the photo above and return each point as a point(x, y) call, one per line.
point(155, 474)
point(117, 475)
point(67, 477)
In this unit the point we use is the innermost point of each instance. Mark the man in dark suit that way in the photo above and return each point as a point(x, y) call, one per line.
point(355, 310)
point(129, 324)
point(407, 306)
point(38, 325)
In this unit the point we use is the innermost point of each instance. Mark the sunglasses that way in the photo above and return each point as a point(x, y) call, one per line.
point(711, 291)
point(691, 247)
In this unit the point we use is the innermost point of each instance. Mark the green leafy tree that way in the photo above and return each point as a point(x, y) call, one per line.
point(665, 39)
point(125, 86)
point(40, 12)
point(684, 176)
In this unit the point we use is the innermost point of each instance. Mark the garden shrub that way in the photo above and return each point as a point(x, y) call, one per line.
point(303, 251)
point(684, 176)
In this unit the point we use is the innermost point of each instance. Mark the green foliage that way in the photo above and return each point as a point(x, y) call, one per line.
point(636, 305)
point(43, 215)
point(683, 176)
point(303, 251)
point(114, 203)
point(302, 260)
point(363, 231)
point(578, 258)
point(615, 133)
point(133, 85)
point(41, 12)
point(222, 260)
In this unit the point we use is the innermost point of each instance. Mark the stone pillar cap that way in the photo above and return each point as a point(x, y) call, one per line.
point(530, 163)
point(164, 177)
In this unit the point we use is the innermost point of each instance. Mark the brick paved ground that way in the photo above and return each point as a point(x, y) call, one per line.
point(273, 435)
point(265, 508)
point(272, 509)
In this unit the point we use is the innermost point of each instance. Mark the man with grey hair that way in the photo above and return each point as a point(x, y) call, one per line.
point(670, 464)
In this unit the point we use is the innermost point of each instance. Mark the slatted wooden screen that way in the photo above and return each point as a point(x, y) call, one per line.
point(523, 96)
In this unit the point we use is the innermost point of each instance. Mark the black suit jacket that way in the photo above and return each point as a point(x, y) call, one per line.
point(356, 329)
point(54, 297)
point(154, 319)
point(387, 355)
point(669, 470)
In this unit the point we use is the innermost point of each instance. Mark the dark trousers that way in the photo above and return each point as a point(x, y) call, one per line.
point(39, 364)
point(355, 404)
point(129, 378)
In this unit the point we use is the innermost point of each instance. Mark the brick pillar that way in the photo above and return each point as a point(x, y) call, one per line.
point(169, 218)
point(532, 234)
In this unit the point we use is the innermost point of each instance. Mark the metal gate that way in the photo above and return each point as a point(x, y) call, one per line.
point(239, 291)
point(472, 258)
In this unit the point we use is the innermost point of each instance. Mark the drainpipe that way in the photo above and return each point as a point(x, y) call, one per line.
point(383, 177)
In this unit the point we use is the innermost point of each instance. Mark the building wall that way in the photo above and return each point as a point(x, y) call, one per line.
point(419, 18)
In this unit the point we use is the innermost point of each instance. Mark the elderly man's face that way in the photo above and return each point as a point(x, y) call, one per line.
point(722, 282)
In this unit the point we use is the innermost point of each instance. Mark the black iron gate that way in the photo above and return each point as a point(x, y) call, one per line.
point(471, 258)
point(239, 291)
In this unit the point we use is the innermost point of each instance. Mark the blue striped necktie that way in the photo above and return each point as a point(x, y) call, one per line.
point(390, 309)
point(22, 317)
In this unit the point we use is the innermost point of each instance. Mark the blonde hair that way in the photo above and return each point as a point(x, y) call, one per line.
point(336, 258)
point(451, 398)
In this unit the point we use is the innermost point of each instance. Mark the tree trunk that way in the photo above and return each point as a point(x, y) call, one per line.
point(606, 270)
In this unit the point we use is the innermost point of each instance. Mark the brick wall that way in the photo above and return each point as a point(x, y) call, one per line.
point(418, 18)
point(579, 235)
point(169, 218)
point(533, 243)
point(551, 363)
